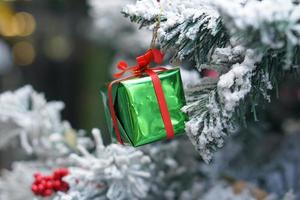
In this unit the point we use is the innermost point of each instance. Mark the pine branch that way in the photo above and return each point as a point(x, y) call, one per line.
point(26, 115)
point(112, 172)
point(250, 43)
point(192, 29)
point(265, 26)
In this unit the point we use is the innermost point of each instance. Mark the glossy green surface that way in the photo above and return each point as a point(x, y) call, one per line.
point(138, 111)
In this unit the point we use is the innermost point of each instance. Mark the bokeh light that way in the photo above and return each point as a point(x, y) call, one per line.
point(15, 24)
point(25, 23)
point(58, 48)
point(23, 53)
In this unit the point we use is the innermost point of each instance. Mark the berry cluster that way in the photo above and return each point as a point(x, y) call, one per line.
point(45, 185)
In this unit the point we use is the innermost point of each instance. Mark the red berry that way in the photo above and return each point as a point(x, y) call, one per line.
point(43, 182)
point(56, 185)
point(49, 185)
point(38, 179)
point(34, 189)
point(41, 188)
point(56, 175)
point(64, 187)
point(47, 193)
point(64, 171)
point(37, 175)
point(48, 178)
point(59, 173)
point(210, 73)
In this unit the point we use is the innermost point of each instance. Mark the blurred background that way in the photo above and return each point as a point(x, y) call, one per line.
point(57, 47)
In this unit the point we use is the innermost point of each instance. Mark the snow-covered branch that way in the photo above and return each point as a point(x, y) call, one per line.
point(114, 171)
point(248, 42)
point(25, 114)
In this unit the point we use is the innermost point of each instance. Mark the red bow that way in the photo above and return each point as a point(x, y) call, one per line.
point(143, 62)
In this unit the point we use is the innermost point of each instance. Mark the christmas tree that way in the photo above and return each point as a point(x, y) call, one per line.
point(235, 57)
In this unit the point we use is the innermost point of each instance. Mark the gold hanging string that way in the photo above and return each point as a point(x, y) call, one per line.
point(157, 26)
point(176, 61)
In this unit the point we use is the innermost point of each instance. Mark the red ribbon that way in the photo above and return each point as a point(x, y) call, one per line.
point(142, 67)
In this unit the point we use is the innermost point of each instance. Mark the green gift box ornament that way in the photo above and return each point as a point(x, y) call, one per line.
point(146, 106)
